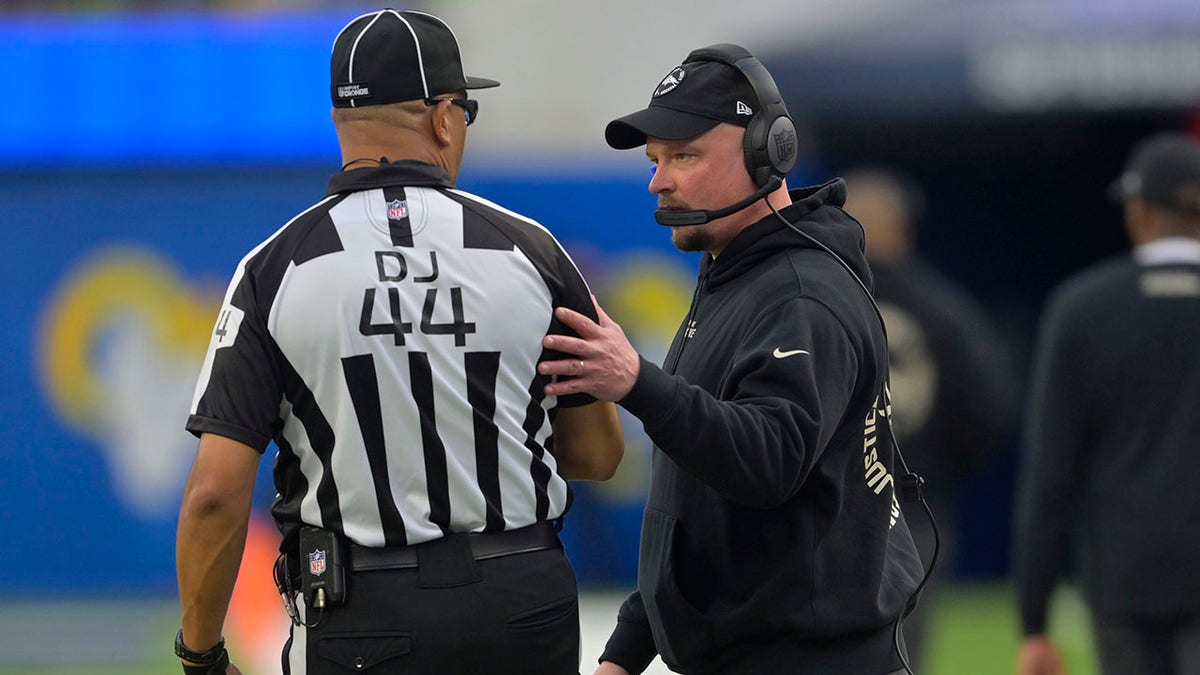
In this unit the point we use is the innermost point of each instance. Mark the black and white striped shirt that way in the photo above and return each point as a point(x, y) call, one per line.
point(387, 340)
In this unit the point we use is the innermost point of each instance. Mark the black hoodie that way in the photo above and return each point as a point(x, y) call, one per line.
point(772, 540)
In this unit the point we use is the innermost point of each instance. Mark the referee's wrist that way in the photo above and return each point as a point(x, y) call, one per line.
point(211, 660)
point(218, 667)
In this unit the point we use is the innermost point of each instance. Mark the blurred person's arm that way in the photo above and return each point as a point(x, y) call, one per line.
point(984, 383)
point(1051, 476)
point(588, 441)
point(212, 535)
point(1038, 656)
point(977, 389)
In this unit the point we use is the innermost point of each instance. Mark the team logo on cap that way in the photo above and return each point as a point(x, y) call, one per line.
point(672, 80)
point(316, 563)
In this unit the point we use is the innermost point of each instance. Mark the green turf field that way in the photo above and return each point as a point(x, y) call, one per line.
point(973, 633)
point(976, 633)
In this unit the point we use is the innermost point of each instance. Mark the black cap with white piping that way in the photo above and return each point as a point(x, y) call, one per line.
point(390, 56)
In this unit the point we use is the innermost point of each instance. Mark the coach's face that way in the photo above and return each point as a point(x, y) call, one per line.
point(703, 172)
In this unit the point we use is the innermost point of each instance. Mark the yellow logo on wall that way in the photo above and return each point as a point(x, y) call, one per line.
point(648, 296)
point(120, 346)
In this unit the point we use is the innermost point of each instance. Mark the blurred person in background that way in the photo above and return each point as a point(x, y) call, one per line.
point(1112, 447)
point(953, 384)
point(772, 540)
point(386, 339)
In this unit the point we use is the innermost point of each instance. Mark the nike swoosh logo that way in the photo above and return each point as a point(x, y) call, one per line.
point(780, 354)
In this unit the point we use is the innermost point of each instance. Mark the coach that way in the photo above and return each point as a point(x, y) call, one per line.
point(1111, 474)
point(386, 339)
point(773, 539)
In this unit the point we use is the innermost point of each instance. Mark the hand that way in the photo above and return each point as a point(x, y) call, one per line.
point(605, 365)
point(610, 668)
point(1038, 656)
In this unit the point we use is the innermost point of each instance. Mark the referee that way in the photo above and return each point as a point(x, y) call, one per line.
point(386, 339)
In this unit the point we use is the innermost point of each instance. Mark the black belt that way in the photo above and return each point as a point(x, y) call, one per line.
point(484, 545)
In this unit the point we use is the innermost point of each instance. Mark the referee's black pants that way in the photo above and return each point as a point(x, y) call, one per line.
point(513, 615)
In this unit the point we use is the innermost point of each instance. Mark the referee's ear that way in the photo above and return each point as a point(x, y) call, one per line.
point(442, 122)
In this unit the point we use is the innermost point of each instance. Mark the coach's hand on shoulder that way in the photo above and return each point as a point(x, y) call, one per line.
point(603, 364)
point(610, 668)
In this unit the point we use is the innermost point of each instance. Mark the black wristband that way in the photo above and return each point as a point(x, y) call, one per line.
point(205, 658)
point(217, 668)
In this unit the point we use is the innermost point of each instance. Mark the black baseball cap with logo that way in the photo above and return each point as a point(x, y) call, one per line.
point(390, 56)
point(690, 100)
point(1163, 169)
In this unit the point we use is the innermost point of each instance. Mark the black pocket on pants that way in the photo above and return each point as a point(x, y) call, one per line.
point(544, 639)
point(360, 652)
point(546, 615)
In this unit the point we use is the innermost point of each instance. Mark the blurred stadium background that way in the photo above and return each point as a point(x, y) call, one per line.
point(146, 146)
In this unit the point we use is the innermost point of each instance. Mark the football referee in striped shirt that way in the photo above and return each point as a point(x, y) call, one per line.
point(386, 339)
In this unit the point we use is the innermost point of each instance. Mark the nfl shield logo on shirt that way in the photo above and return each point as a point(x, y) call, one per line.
point(316, 563)
point(397, 209)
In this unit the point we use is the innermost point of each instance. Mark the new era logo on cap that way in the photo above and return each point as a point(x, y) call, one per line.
point(743, 109)
point(391, 56)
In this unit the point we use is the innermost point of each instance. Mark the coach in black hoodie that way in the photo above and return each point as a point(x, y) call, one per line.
point(773, 540)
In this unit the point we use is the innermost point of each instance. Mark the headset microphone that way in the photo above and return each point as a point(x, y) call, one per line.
point(676, 217)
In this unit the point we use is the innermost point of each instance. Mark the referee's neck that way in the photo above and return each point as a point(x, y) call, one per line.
point(366, 141)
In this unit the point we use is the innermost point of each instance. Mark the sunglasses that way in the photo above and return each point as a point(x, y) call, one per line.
point(469, 105)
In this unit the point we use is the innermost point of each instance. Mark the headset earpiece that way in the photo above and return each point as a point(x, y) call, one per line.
point(781, 145)
point(754, 163)
point(770, 146)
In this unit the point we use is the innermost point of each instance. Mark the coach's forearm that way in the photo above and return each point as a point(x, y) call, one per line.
point(211, 537)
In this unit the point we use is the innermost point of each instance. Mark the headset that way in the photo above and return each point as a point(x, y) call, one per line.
point(771, 143)
point(770, 151)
